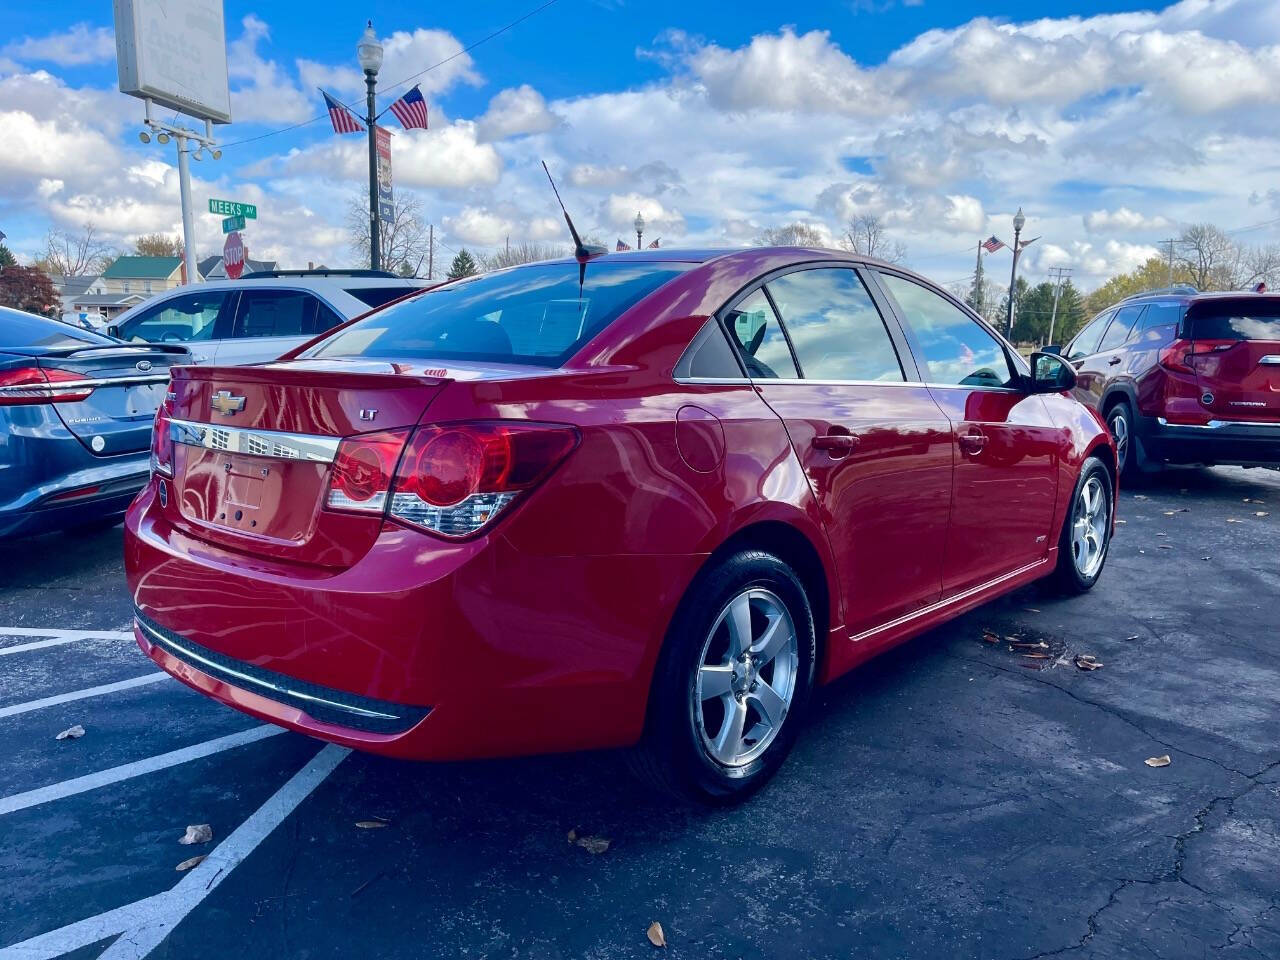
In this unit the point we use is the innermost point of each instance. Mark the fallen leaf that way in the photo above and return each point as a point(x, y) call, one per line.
point(1122, 521)
point(197, 833)
point(1142, 551)
point(1234, 520)
point(1161, 534)
point(1252, 500)
point(1170, 513)
point(1206, 558)
point(71, 733)
point(593, 844)
point(1088, 662)
point(1031, 609)
point(1038, 645)
point(655, 935)
point(1158, 761)
point(989, 637)
point(1166, 546)
point(1134, 637)
point(188, 864)
point(1141, 496)
point(1260, 513)
point(1038, 656)
point(372, 824)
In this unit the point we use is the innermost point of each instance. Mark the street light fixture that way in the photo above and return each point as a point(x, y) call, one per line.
point(639, 225)
point(1019, 221)
point(369, 55)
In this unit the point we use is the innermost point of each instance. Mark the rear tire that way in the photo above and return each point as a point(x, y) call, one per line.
point(1085, 539)
point(732, 682)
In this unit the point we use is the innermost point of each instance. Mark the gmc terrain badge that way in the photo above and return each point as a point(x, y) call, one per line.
point(226, 403)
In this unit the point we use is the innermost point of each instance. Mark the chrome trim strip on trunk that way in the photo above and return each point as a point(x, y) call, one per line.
point(65, 386)
point(275, 444)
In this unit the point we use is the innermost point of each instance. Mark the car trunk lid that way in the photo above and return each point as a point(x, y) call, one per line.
point(255, 445)
point(1236, 356)
point(127, 385)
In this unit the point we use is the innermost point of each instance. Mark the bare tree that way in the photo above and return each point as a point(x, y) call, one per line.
point(1209, 256)
point(865, 235)
point(512, 256)
point(75, 255)
point(795, 234)
point(403, 241)
point(158, 245)
point(1260, 265)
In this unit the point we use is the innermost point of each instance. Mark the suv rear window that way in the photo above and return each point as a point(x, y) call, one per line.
point(1249, 318)
point(529, 314)
point(377, 296)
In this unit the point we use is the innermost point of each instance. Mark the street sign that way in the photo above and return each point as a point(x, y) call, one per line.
point(233, 256)
point(232, 223)
point(233, 208)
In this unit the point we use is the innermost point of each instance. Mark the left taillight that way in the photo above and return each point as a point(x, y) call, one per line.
point(162, 441)
point(29, 385)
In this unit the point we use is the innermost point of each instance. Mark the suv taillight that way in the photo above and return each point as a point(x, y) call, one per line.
point(1180, 354)
point(28, 385)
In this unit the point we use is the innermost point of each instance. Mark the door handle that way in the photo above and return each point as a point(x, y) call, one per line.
point(972, 442)
point(1113, 361)
point(837, 444)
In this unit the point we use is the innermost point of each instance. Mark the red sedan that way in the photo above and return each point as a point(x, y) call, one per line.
point(651, 502)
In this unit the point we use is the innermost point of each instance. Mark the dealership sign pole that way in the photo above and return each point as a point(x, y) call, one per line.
point(174, 53)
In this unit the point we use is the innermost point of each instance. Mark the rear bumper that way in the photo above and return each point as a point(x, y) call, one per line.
point(39, 509)
point(1218, 441)
point(475, 649)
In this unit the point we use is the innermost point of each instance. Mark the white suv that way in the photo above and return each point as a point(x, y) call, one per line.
point(261, 315)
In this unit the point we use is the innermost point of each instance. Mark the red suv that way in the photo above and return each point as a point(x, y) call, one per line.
point(1185, 377)
point(642, 499)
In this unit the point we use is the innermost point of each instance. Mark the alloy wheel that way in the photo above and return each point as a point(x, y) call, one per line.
point(1091, 516)
point(746, 677)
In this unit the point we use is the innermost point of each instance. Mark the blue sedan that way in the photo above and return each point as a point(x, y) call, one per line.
point(76, 410)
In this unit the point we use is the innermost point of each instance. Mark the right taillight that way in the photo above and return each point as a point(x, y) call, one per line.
point(455, 478)
point(28, 385)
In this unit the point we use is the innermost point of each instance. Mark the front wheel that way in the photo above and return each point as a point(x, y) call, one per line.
point(1086, 531)
point(733, 678)
point(1130, 458)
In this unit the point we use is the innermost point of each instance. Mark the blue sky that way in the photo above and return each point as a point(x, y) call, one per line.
point(1111, 123)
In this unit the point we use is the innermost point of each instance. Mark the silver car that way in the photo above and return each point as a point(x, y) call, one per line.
point(261, 315)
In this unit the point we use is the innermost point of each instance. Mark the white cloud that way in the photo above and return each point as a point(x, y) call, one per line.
point(516, 111)
point(1123, 220)
point(262, 90)
point(405, 54)
point(80, 44)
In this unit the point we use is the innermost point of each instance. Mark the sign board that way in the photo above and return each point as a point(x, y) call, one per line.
point(231, 224)
point(233, 256)
point(175, 53)
point(386, 210)
point(233, 208)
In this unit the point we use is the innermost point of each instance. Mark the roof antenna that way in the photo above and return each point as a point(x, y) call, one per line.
point(581, 252)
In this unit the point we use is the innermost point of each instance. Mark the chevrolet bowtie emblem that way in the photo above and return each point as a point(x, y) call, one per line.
point(225, 403)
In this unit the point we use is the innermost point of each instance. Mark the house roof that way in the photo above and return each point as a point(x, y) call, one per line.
point(106, 299)
point(72, 286)
point(141, 268)
point(212, 266)
point(205, 264)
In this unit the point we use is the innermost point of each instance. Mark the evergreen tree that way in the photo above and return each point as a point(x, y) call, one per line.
point(6, 257)
point(463, 265)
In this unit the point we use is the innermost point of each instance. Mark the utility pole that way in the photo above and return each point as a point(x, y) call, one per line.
point(1170, 242)
point(431, 251)
point(1062, 273)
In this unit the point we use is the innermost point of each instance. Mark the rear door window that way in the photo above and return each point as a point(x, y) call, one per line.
point(835, 329)
point(1160, 322)
point(275, 313)
point(191, 317)
point(956, 348)
point(534, 314)
point(1118, 333)
point(1248, 318)
point(755, 329)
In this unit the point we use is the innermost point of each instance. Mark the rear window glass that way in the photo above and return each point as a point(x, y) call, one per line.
point(527, 314)
point(377, 296)
point(1252, 318)
point(18, 329)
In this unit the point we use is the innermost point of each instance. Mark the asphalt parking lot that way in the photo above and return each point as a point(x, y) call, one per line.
point(955, 798)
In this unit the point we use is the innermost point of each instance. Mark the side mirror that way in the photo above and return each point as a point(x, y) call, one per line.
point(1052, 348)
point(1050, 373)
point(113, 330)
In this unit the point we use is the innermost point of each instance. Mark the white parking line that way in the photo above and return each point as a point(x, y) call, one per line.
point(90, 781)
point(17, 708)
point(146, 923)
point(61, 637)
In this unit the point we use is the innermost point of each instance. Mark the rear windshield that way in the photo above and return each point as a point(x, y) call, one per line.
point(531, 314)
point(377, 296)
point(1249, 318)
point(18, 329)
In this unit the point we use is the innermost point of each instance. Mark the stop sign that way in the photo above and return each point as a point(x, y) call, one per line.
point(233, 255)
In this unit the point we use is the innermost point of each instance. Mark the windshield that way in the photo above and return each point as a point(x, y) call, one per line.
point(530, 314)
point(18, 329)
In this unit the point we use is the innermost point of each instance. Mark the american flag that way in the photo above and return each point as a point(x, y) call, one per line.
point(343, 120)
point(991, 244)
point(621, 246)
point(654, 244)
point(411, 110)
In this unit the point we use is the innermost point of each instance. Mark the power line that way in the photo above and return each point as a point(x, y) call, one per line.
point(398, 83)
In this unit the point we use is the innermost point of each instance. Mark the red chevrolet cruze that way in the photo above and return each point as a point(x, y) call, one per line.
point(651, 500)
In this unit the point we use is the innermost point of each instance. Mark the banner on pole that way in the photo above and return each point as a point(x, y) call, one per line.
point(385, 211)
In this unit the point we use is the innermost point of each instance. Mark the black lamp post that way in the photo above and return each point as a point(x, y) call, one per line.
point(1019, 221)
point(369, 53)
